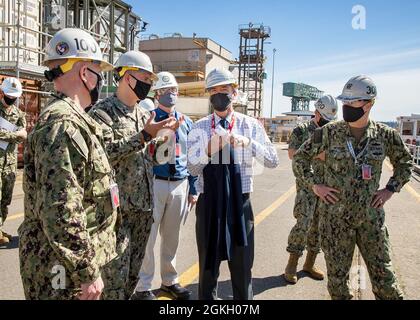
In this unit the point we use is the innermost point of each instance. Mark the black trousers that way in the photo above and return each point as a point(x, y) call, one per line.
point(241, 262)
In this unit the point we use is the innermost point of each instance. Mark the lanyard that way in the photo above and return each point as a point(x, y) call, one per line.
point(353, 153)
point(213, 124)
point(166, 116)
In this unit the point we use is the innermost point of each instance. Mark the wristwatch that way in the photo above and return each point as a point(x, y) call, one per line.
point(147, 137)
point(391, 188)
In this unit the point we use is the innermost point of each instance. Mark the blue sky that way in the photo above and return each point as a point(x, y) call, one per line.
point(315, 42)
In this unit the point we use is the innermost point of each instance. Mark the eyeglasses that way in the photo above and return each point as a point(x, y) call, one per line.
point(168, 90)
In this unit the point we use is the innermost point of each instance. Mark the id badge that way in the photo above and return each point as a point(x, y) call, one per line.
point(366, 172)
point(178, 150)
point(115, 195)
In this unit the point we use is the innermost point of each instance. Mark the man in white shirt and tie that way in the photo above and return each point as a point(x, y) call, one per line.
point(222, 149)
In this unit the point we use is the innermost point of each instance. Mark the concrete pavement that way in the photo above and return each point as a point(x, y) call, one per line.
point(273, 201)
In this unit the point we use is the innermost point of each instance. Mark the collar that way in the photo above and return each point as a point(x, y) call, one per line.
point(77, 109)
point(370, 132)
point(228, 118)
point(164, 113)
point(129, 112)
point(314, 124)
point(8, 109)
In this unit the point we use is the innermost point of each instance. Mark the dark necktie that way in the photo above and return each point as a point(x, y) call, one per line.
point(224, 123)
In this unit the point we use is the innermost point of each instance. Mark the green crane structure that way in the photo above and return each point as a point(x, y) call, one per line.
point(301, 94)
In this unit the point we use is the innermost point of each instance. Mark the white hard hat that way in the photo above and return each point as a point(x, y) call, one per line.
point(147, 104)
point(327, 106)
point(134, 60)
point(12, 87)
point(220, 77)
point(166, 80)
point(72, 43)
point(359, 88)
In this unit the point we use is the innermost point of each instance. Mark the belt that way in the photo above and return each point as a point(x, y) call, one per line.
point(169, 179)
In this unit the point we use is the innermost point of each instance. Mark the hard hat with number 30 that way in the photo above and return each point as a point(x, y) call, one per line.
point(359, 88)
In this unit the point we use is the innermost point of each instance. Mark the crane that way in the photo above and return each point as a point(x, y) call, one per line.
point(301, 94)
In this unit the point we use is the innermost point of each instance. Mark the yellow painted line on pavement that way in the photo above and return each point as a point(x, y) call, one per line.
point(407, 187)
point(191, 274)
point(413, 192)
point(389, 165)
point(15, 217)
point(265, 213)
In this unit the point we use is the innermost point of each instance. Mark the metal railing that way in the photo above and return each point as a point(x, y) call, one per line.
point(415, 152)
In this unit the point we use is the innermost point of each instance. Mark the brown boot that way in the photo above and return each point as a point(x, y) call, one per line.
point(8, 236)
point(3, 240)
point(291, 269)
point(310, 267)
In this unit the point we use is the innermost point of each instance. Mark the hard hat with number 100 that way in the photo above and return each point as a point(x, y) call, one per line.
point(73, 45)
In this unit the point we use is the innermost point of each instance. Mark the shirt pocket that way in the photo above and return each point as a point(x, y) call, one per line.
point(375, 157)
point(376, 153)
point(339, 159)
point(124, 130)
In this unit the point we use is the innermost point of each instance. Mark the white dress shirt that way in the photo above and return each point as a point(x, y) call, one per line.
point(252, 159)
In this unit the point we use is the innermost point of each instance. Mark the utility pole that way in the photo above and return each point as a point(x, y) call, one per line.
point(272, 85)
point(17, 45)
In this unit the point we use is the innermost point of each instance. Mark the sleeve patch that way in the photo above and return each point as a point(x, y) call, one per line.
point(78, 142)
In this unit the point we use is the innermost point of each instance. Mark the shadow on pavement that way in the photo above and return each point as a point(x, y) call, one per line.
point(259, 285)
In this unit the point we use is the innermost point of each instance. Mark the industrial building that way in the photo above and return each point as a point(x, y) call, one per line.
point(27, 25)
point(190, 59)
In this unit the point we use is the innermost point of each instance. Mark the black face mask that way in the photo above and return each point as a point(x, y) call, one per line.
point(351, 114)
point(141, 89)
point(220, 101)
point(9, 101)
point(322, 122)
point(95, 92)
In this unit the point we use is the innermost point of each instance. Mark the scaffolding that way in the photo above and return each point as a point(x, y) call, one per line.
point(251, 65)
point(26, 26)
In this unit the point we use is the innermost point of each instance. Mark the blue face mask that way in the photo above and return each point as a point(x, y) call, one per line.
point(168, 100)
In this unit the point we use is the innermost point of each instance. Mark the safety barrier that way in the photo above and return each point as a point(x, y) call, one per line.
point(415, 151)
